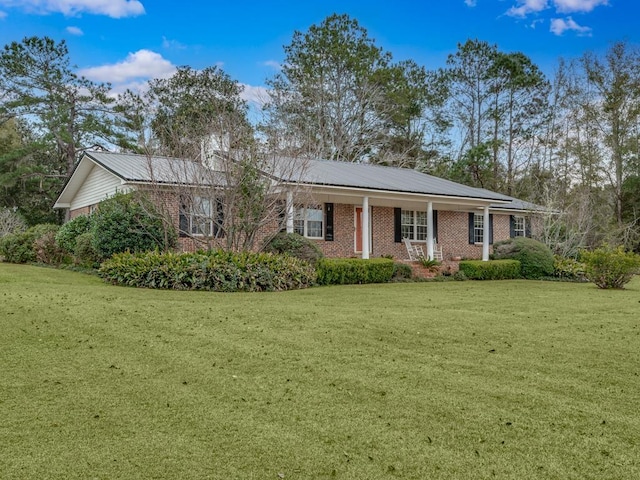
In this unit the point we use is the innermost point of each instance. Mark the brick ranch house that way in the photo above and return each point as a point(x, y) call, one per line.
point(348, 199)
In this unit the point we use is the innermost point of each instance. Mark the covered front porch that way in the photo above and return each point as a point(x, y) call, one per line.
point(441, 223)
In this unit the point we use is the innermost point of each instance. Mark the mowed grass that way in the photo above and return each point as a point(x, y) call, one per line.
point(468, 380)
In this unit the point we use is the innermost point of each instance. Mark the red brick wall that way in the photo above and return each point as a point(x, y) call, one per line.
point(79, 211)
point(453, 231)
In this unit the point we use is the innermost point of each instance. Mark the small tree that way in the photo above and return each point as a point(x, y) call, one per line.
point(10, 222)
point(609, 267)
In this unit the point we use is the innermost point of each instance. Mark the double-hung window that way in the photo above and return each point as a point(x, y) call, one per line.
point(307, 221)
point(519, 226)
point(478, 228)
point(204, 217)
point(414, 225)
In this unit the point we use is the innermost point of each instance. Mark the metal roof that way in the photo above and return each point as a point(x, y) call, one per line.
point(134, 168)
point(155, 169)
point(377, 177)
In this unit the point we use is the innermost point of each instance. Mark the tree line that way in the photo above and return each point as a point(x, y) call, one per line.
point(486, 118)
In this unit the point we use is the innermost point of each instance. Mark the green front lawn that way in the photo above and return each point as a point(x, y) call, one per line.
point(465, 380)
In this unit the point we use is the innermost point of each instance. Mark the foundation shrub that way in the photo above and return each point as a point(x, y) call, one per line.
point(345, 271)
point(536, 259)
point(295, 245)
point(491, 270)
point(84, 252)
point(128, 222)
point(69, 232)
point(401, 271)
point(610, 267)
point(216, 270)
point(47, 250)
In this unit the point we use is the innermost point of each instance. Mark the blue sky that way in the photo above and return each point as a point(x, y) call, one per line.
point(128, 41)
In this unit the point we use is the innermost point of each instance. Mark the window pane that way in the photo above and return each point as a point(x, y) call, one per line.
point(314, 229)
point(298, 227)
point(519, 226)
point(422, 232)
point(407, 232)
point(421, 218)
point(478, 228)
point(314, 214)
point(407, 217)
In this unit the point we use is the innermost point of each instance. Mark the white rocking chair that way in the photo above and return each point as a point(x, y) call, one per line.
point(415, 251)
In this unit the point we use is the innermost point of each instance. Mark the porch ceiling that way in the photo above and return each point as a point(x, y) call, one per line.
point(401, 200)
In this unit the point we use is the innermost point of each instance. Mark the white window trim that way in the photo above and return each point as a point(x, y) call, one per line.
point(415, 225)
point(478, 228)
point(305, 220)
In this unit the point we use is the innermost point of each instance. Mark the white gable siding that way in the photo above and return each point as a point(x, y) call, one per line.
point(99, 185)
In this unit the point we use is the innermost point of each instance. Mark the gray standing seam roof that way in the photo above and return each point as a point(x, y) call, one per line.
point(168, 170)
point(392, 179)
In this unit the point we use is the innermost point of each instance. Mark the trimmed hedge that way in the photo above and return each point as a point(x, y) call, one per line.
point(216, 270)
point(491, 270)
point(536, 259)
point(345, 271)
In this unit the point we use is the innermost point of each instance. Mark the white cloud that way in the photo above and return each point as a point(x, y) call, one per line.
point(560, 25)
point(256, 95)
point(273, 64)
point(571, 6)
point(526, 7)
point(75, 31)
point(471, 3)
point(3, 15)
point(143, 64)
point(172, 44)
point(111, 8)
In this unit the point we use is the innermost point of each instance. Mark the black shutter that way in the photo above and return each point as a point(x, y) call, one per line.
point(512, 226)
point(183, 222)
point(527, 227)
point(471, 232)
point(490, 228)
point(328, 222)
point(435, 226)
point(218, 224)
point(397, 225)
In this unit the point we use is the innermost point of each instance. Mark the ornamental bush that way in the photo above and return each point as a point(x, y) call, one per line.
point(401, 271)
point(20, 247)
point(216, 270)
point(536, 259)
point(344, 271)
point(85, 254)
point(70, 231)
point(491, 270)
point(568, 269)
point(609, 267)
point(126, 222)
point(295, 245)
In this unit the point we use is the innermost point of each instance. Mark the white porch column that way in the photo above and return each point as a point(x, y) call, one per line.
point(365, 228)
point(485, 235)
point(289, 211)
point(430, 230)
